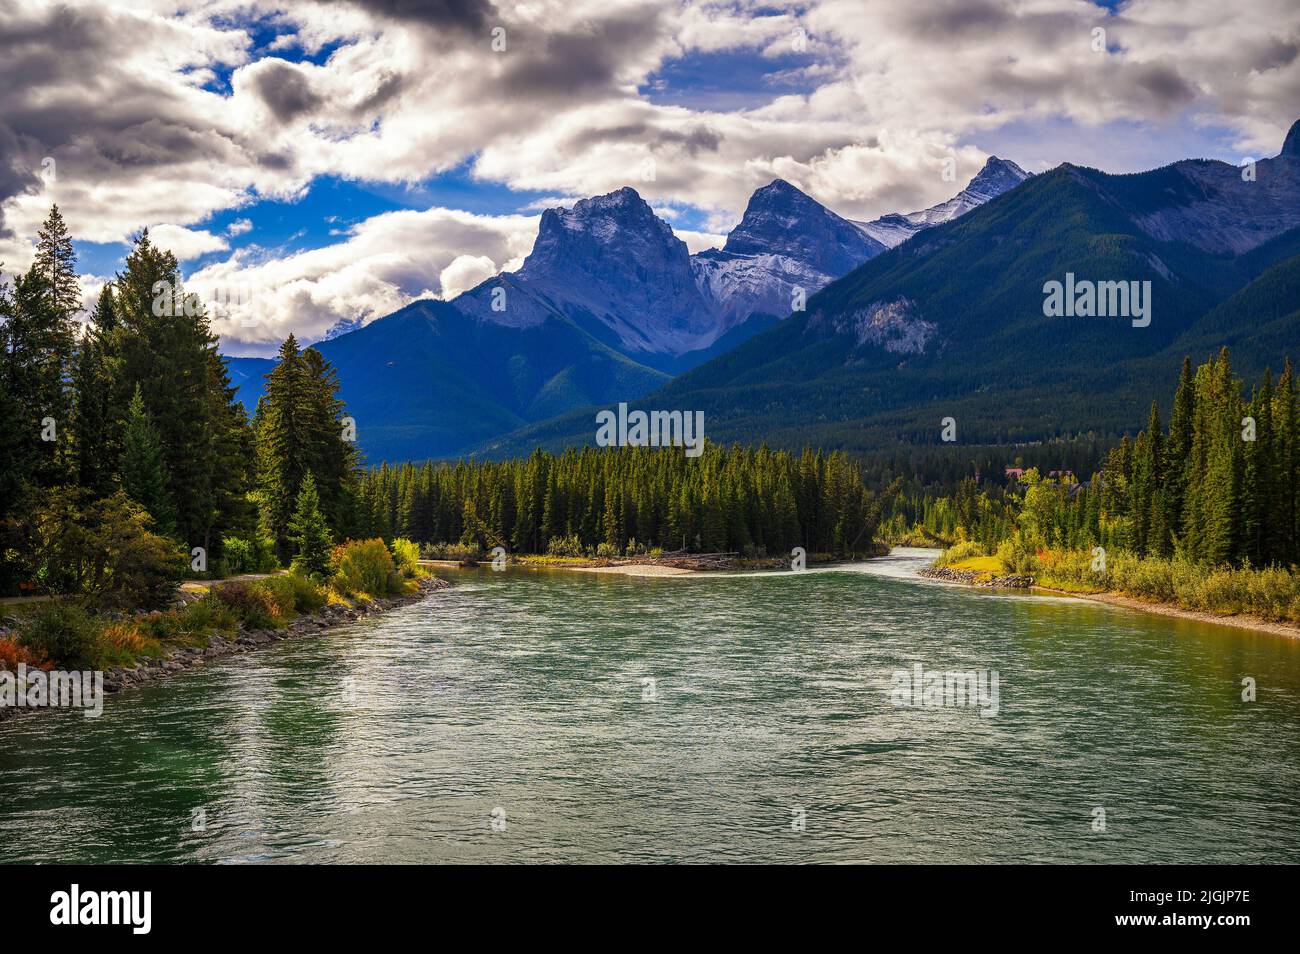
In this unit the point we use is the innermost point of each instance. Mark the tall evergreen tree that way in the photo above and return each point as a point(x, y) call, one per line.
point(144, 473)
point(56, 261)
point(97, 414)
point(309, 533)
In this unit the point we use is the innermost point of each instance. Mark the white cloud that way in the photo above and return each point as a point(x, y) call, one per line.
point(699, 241)
point(186, 243)
point(386, 262)
point(465, 272)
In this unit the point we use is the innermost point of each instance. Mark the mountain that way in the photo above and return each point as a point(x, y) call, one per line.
point(997, 176)
point(429, 380)
point(613, 268)
point(607, 301)
point(785, 240)
point(952, 323)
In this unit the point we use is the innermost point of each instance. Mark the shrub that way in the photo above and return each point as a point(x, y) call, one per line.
point(451, 551)
point(255, 554)
point(62, 632)
point(251, 603)
point(238, 554)
point(1017, 556)
point(365, 566)
point(960, 551)
point(293, 593)
point(207, 614)
point(406, 555)
point(569, 546)
point(607, 550)
point(121, 643)
point(12, 653)
point(105, 549)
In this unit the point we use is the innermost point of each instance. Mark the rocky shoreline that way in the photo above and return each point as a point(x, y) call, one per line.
point(973, 578)
point(180, 658)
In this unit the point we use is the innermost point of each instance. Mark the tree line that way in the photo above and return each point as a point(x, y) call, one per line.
point(622, 500)
point(1220, 485)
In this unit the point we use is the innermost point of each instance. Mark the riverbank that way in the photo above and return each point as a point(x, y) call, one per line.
point(1236, 621)
point(977, 578)
point(179, 658)
point(686, 564)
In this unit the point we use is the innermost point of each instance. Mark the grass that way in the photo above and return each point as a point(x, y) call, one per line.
point(1268, 593)
point(980, 564)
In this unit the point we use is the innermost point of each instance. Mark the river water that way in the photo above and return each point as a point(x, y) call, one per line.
point(549, 715)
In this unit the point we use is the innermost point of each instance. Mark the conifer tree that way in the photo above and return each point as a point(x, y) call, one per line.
point(97, 414)
point(144, 475)
point(309, 533)
point(56, 261)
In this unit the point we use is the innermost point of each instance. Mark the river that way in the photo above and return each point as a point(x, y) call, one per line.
point(550, 715)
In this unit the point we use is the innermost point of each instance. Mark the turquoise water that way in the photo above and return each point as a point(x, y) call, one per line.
point(767, 734)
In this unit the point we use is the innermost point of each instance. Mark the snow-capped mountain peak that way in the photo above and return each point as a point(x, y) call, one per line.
point(996, 177)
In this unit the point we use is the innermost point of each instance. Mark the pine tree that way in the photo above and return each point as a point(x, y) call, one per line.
point(309, 533)
point(57, 263)
point(167, 349)
point(97, 415)
point(144, 475)
point(37, 343)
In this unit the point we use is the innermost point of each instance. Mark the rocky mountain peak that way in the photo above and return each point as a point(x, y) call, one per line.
point(997, 176)
point(783, 220)
point(1291, 147)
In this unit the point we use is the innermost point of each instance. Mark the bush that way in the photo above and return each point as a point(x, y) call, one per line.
point(12, 653)
point(293, 593)
point(1272, 593)
point(406, 555)
point(121, 643)
point(206, 615)
point(451, 551)
point(251, 603)
point(569, 546)
point(960, 551)
point(365, 566)
point(105, 550)
point(254, 554)
point(62, 632)
point(1017, 556)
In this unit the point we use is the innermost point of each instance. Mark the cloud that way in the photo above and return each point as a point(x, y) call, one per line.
point(186, 243)
point(464, 273)
point(386, 262)
point(699, 241)
point(171, 113)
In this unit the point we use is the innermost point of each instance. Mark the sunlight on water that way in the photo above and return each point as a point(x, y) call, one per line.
point(686, 719)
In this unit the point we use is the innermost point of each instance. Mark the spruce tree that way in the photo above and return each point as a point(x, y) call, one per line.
point(144, 474)
point(37, 341)
point(57, 263)
point(97, 414)
point(309, 533)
